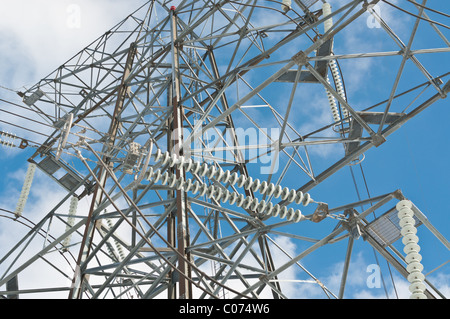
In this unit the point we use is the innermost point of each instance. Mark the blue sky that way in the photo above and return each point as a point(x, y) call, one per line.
point(38, 36)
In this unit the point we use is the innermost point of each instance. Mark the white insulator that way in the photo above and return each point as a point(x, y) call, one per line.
point(247, 202)
point(326, 11)
point(284, 193)
point(225, 196)
point(283, 212)
point(248, 183)
point(179, 183)
point(180, 162)
point(118, 245)
point(195, 187)
point(173, 160)
point(286, 5)
point(158, 155)
point(333, 106)
point(261, 206)
point(297, 216)
point(254, 205)
point(25, 189)
point(157, 176)
point(276, 210)
point(408, 229)
point(339, 86)
point(405, 212)
point(411, 249)
point(151, 174)
point(270, 189)
point(416, 276)
point(306, 199)
point(299, 197)
point(210, 191)
point(188, 164)
point(414, 267)
point(221, 194)
point(268, 209)
point(70, 220)
point(233, 178)
point(407, 221)
point(263, 187)
point(290, 214)
point(413, 257)
point(164, 178)
point(196, 167)
point(233, 198)
point(328, 24)
point(403, 203)
point(203, 169)
point(225, 177)
point(255, 186)
point(241, 180)
point(211, 172)
point(172, 180)
point(202, 189)
point(219, 174)
point(187, 186)
point(165, 158)
point(291, 196)
point(240, 200)
point(277, 191)
point(412, 238)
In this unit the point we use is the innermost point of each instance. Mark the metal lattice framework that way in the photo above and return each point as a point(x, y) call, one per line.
point(180, 125)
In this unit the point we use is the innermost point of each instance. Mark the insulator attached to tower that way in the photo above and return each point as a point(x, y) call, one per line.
point(328, 24)
point(220, 193)
point(70, 221)
point(132, 157)
point(25, 189)
point(118, 245)
point(286, 5)
point(7, 139)
point(211, 172)
point(411, 249)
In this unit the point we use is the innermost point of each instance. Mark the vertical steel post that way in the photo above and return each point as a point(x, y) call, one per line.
point(182, 232)
point(77, 282)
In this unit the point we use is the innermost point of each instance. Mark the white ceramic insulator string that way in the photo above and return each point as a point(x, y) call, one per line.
point(328, 24)
point(339, 86)
point(70, 220)
point(218, 174)
point(29, 176)
point(411, 249)
point(333, 106)
point(7, 139)
point(118, 245)
point(221, 194)
point(326, 11)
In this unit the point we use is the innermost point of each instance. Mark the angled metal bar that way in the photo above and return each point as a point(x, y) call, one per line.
point(430, 226)
point(346, 266)
point(406, 56)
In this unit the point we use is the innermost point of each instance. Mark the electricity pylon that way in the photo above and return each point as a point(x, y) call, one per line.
point(174, 126)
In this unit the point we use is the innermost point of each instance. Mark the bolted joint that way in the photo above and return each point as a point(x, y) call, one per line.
point(378, 139)
point(300, 58)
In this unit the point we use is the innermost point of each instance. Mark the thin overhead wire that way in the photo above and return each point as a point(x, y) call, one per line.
point(415, 15)
point(429, 9)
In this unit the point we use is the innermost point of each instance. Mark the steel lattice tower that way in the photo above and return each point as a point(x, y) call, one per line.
point(180, 127)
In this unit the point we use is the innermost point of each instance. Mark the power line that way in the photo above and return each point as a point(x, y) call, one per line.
point(414, 15)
